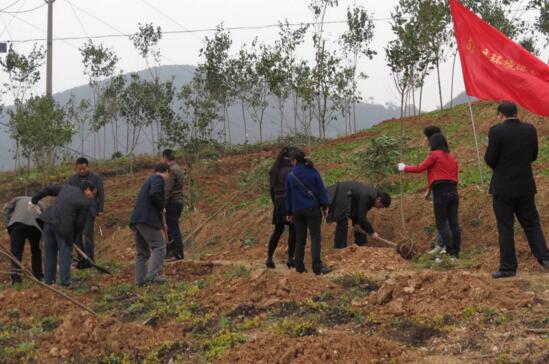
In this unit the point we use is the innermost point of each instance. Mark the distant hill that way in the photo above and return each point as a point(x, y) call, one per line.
point(368, 114)
point(459, 100)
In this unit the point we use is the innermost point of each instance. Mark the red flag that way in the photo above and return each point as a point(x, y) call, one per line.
point(496, 68)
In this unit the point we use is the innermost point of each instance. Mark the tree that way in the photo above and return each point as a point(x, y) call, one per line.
point(240, 69)
point(23, 73)
point(215, 68)
point(326, 64)
point(379, 160)
point(99, 64)
point(41, 127)
point(259, 91)
point(145, 41)
point(80, 114)
point(356, 42)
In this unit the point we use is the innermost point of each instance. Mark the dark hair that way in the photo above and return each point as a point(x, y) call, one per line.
point(284, 153)
point(385, 198)
point(298, 156)
point(88, 185)
point(507, 109)
point(431, 130)
point(160, 167)
point(82, 160)
point(439, 142)
point(168, 154)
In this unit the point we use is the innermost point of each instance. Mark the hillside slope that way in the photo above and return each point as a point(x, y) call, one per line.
point(221, 305)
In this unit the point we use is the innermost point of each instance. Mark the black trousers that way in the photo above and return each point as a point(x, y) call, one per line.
point(307, 219)
point(275, 238)
point(173, 214)
point(340, 238)
point(446, 206)
point(524, 208)
point(18, 234)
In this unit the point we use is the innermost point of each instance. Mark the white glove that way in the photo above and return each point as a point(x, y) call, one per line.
point(401, 167)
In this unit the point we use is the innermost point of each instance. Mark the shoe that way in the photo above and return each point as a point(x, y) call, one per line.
point(173, 259)
point(83, 264)
point(503, 274)
point(269, 263)
point(323, 270)
point(300, 270)
point(453, 258)
point(442, 251)
point(545, 265)
point(438, 260)
point(290, 263)
point(435, 250)
point(156, 280)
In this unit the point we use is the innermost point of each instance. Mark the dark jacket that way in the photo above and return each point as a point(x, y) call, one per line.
point(512, 147)
point(174, 185)
point(297, 196)
point(278, 191)
point(99, 203)
point(69, 212)
point(150, 203)
point(352, 200)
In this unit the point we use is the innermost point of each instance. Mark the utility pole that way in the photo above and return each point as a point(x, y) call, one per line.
point(50, 49)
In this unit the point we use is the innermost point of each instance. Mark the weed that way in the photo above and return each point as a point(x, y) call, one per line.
point(295, 328)
point(214, 347)
point(21, 353)
point(50, 323)
point(469, 312)
point(238, 271)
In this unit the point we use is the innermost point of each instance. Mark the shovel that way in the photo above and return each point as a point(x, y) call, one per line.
point(98, 267)
point(405, 250)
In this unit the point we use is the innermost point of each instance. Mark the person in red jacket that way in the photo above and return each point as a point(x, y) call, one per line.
point(442, 174)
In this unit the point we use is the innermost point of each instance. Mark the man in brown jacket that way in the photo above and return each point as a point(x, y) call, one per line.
point(174, 205)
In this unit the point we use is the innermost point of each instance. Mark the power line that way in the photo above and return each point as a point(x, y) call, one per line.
point(10, 5)
point(189, 31)
point(78, 19)
point(168, 17)
point(23, 11)
point(11, 20)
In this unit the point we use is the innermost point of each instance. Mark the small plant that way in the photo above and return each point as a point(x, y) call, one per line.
point(238, 271)
point(469, 312)
point(379, 160)
point(50, 323)
point(295, 328)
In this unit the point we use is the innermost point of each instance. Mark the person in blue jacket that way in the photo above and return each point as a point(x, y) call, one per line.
point(306, 204)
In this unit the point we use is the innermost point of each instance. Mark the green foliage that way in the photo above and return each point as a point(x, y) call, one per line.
point(40, 126)
point(237, 271)
point(378, 160)
point(23, 71)
point(256, 179)
point(295, 328)
point(21, 353)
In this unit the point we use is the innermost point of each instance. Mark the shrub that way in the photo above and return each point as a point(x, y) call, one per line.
point(379, 159)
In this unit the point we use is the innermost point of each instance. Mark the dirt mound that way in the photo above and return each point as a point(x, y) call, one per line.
point(431, 293)
point(83, 336)
point(188, 270)
point(365, 258)
point(28, 303)
point(329, 348)
point(264, 288)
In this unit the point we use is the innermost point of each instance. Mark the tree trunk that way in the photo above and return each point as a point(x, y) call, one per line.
point(295, 113)
point(245, 127)
point(152, 139)
point(439, 86)
point(452, 82)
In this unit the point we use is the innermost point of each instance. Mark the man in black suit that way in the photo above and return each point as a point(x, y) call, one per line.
point(352, 200)
point(63, 223)
point(512, 147)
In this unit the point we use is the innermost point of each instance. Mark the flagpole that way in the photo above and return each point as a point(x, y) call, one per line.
point(476, 139)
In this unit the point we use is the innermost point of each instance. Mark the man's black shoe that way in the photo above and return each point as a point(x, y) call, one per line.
point(290, 263)
point(301, 270)
point(503, 274)
point(323, 270)
point(269, 263)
